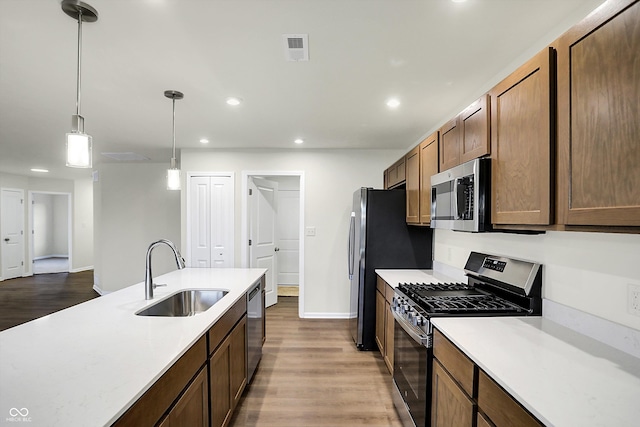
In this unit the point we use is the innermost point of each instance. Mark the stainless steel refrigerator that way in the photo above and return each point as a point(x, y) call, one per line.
point(379, 237)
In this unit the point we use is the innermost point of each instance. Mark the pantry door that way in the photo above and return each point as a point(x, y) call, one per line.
point(263, 208)
point(211, 222)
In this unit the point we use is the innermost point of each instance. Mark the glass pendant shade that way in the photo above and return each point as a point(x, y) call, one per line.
point(79, 150)
point(173, 179)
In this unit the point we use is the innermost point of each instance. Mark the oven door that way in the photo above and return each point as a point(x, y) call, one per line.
point(412, 373)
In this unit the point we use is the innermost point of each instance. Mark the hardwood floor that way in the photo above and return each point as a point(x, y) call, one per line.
point(312, 375)
point(27, 298)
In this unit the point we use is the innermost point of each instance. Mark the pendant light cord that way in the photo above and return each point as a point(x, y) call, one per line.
point(79, 59)
point(174, 128)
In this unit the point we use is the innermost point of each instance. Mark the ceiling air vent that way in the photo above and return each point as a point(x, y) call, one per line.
point(296, 47)
point(126, 156)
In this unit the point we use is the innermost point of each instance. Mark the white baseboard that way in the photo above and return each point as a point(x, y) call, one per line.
point(98, 290)
point(308, 315)
point(77, 270)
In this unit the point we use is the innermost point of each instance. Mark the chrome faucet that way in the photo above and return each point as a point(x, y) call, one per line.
point(149, 286)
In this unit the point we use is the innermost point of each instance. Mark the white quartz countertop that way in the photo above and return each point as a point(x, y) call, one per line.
point(395, 277)
point(562, 377)
point(86, 365)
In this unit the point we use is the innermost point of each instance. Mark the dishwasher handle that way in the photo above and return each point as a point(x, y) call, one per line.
point(254, 291)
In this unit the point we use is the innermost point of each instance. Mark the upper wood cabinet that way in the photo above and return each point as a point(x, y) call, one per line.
point(466, 137)
point(428, 167)
point(395, 175)
point(474, 130)
point(599, 118)
point(412, 167)
point(450, 144)
point(522, 144)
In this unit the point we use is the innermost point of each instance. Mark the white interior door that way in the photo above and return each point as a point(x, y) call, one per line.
point(211, 221)
point(12, 226)
point(288, 220)
point(263, 206)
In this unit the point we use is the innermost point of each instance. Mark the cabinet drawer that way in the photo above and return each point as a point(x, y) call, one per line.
point(501, 408)
point(388, 293)
point(380, 284)
point(461, 368)
point(222, 327)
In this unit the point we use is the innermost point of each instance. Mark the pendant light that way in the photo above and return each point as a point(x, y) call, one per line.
point(78, 142)
point(173, 173)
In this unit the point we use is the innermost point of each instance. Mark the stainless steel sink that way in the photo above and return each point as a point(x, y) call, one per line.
point(185, 303)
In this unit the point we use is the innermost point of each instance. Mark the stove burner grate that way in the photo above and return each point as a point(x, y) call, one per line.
point(469, 303)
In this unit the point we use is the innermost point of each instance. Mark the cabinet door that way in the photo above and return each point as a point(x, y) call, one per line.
point(474, 130)
point(450, 145)
point(220, 386)
point(522, 144)
point(380, 321)
point(500, 407)
point(192, 409)
point(450, 405)
point(238, 360)
point(599, 118)
point(412, 169)
point(428, 167)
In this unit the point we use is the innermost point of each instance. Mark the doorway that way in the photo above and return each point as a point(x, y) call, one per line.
point(50, 223)
point(279, 246)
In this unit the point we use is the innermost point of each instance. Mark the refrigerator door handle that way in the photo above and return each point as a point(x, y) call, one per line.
point(352, 238)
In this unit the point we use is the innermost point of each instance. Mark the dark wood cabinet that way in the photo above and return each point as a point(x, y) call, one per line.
point(500, 408)
point(450, 144)
point(522, 144)
point(475, 130)
point(428, 167)
point(228, 363)
point(599, 118)
point(192, 409)
point(412, 168)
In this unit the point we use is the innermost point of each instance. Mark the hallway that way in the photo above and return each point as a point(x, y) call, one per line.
point(312, 375)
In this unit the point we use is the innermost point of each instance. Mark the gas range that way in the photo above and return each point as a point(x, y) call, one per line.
point(497, 286)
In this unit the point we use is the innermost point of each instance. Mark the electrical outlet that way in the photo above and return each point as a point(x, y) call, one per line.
point(633, 299)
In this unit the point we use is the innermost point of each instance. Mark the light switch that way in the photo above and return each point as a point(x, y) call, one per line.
point(310, 231)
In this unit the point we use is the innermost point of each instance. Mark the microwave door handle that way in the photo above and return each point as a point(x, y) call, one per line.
point(462, 207)
point(456, 202)
point(352, 237)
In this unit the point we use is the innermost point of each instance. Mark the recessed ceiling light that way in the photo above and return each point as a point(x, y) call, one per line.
point(233, 101)
point(39, 170)
point(298, 141)
point(458, 1)
point(393, 103)
point(204, 141)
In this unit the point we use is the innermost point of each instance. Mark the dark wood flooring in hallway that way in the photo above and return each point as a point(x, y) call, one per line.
point(27, 298)
point(312, 375)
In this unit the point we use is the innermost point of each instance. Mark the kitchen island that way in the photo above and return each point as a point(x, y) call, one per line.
point(88, 364)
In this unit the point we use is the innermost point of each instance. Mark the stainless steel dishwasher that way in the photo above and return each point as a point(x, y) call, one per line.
point(255, 323)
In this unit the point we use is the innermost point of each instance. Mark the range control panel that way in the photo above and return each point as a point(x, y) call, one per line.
point(494, 264)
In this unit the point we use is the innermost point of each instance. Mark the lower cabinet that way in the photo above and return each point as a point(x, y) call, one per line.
point(384, 322)
point(228, 374)
point(463, 395)
point(192, 409)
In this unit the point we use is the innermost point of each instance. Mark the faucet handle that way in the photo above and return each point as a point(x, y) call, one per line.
point(157, 285)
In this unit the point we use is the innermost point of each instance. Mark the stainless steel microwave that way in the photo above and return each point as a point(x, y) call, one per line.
point(460, 197)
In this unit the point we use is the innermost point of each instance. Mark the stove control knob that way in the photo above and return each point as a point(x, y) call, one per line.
point(405, 308)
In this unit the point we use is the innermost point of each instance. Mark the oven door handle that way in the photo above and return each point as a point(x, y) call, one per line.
point(421, 339)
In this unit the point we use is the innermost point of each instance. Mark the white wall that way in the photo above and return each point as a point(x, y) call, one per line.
point(331, 177)
point(590, 272)
point(132, 209)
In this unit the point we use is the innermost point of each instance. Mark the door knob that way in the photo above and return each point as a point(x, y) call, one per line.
point(277, 249)
point(6, 239)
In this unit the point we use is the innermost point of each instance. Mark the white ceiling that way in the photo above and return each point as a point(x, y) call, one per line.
point(433, 55)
